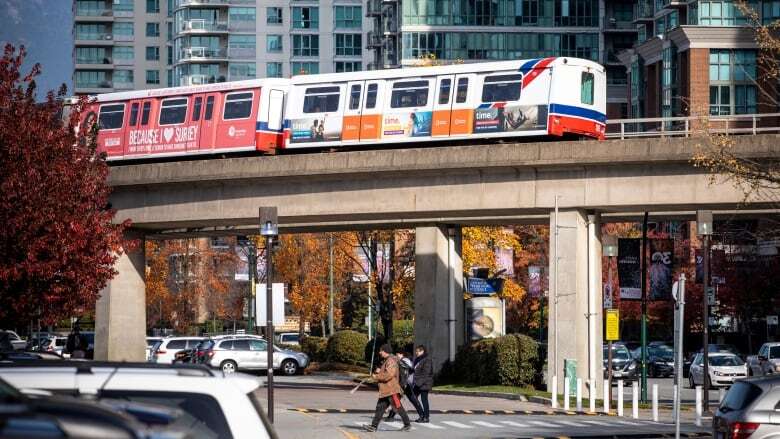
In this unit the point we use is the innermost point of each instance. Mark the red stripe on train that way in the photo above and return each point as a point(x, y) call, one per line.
point(558, 125)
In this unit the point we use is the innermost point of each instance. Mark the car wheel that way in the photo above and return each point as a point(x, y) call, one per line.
point(289, 367)
point(691, 384)
point(228, 367)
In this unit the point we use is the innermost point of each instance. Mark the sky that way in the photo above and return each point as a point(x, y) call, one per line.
point(44, 27)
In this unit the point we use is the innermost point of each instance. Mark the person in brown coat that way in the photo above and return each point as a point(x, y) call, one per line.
point(389, 390)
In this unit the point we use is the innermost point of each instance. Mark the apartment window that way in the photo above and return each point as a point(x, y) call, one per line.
point(111, 116)
point(124, 52)
point(770, 11)
point(152, 53)
point(273, 15)
point(169, 77)
point(306, 18)
point(348, 66)
point(273, 43)
point(152, 76)
point(123, 5)
point(171, 6)
point(238, 106)
point(732, 81)
point(242, 42)
point(273, 70)
point(409, 94)
point(91, 79)
point(90, 8)
point(169, 54)
point(501, 88)
point(242, 70)
point(306, 45)
point(152, 29)
point(321, 99)
point(152, 6)
point(173, 111)
point(242, 14)
point(123, 76)
point(91, 32)
point(348, 44)
point(124, 28)
point(348, 17)
point(91, 55)
point(304, 68)
point(169, 31)
point(720, 13)
point(586, 88)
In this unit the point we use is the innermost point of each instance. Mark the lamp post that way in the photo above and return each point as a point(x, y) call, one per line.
point(270, 230)
point(609, 248)
point(704, 229)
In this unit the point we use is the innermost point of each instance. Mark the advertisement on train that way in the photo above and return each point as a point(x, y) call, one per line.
point(413, 124)
point(501, 117)
point(316, 129)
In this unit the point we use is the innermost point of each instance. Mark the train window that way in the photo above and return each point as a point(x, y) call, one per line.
point(500, 88)
point(444, 91)
point(196, 109)
point(371, 95)
point(321, 99)
point(409, 94)
point(173, 111)
point(209, 108)
point(111, 116)
point(133, 114)
point(238, 106)
point(586, 88)
point(462, 92)
point(354, 97)
point(147, 108)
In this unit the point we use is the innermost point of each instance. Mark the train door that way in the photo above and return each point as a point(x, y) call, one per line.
point(237, 126)
point(207, 129)
point(146, 134)
point(371, 113)
point(442, 106)
point(131, 133)
point(350, 131)
point(196, 118)
point(409, 110)
point(463, 106)
point(111, 120)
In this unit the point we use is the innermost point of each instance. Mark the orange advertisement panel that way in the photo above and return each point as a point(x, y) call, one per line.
point(461, 122)
point(441, 123)
point(351, 128)
point(370, 125)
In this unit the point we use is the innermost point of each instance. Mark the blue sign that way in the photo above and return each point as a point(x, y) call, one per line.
point(479, 286)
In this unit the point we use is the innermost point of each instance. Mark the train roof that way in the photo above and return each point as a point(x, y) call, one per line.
point(191, 89)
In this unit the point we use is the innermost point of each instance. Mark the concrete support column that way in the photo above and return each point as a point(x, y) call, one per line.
point(575, 314)
point(438, 292)
point(120, 317)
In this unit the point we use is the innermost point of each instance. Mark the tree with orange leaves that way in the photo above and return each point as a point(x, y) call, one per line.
point(479, 250)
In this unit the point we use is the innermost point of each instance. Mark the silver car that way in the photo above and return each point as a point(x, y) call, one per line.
point(749, 410)
point(250, 353)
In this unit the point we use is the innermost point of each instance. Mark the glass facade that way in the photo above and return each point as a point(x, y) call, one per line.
point(499, 46)
point(348, 17)
point(718, 13)
point(348, 66)
point(545, 13)
point(273, 70)
point(304, 68)
point(732, 81)
point(306, 45)
point(348, 44)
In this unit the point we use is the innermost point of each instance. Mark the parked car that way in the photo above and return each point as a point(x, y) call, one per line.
point(289, 338)
point(749, 409)
point(660, 360)
point(233, 354)
point(87, 338)
point(724, 369)
point(218, 406)
point(624, 367)
point(767, 361)
point(150, 342)
point(165, 351)
point(17, 342)
point(55, 344)
point(202, 351)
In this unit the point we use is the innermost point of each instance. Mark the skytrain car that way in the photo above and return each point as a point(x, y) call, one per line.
point(554, 96)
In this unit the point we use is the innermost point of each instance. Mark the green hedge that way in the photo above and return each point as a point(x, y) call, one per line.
point(315, 347)
point(510, 360)
point(347, 347)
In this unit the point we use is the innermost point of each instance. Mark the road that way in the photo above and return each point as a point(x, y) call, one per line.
point(317, 407)
point(666, 392)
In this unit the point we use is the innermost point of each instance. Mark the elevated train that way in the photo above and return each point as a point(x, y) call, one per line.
point(539, 97)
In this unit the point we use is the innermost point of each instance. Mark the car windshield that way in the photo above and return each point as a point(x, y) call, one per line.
point(740, 396)
point(618, 353)
point(774, 352)
point(725, 360)
point(664, 352)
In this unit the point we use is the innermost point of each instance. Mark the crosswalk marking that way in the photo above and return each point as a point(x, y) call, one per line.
point(542, 424)
point(603, 424)
point(571, 423)
point(515, 424)
point(456, 424)
point(432, 426)
point(485, 424)
point(627, 422)
point(395, 424)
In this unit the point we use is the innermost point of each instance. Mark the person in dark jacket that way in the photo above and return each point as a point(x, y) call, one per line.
point(407, 385)
point(389, 390)
point(423, 381)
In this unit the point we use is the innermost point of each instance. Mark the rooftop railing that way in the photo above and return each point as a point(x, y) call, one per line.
point(686, 126)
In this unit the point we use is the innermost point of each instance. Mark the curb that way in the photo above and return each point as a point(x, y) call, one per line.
point(509, 396)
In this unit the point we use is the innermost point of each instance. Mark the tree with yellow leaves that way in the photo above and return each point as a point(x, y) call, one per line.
point(479, 251)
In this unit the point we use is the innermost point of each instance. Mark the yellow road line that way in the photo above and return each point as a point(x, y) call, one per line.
point(348, 434)
point(488, 412)
point(509, 412)
point(468, 412)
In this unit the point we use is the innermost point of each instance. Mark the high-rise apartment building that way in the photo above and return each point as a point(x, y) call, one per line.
point(137, 44)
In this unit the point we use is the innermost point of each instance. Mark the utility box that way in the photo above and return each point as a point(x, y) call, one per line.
point(484, 317)
point(570, 374)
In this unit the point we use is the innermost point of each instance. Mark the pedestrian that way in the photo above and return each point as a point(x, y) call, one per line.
point(423, 381)
point(406, 380)
point(389, 389)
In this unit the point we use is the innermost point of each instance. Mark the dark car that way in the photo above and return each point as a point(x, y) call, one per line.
point(660, 360)
point(202, 352)
point(624, 367)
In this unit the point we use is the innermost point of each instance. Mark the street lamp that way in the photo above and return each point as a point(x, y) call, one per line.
point(704, 229)
point(609, 248)
point(269, 229)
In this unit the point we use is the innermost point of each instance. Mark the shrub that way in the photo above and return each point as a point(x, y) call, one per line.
point(510, 360)
point(315, 348)
point(346, 347)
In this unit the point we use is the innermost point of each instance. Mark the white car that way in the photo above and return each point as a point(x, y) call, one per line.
point(150, 346)
point(17, 342)
point(166, 349)
point(54, 344)
point(724, 369)
point(223, 407)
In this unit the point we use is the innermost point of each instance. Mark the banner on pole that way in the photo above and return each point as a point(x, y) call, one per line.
point(661, 256)
point(629, 268)
point(534, 281)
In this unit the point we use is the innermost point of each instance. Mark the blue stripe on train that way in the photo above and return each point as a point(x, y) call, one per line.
point(570, 110)
point(263, 126)
point(528, 65)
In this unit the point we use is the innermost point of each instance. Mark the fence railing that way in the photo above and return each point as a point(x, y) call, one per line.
point(685, 126)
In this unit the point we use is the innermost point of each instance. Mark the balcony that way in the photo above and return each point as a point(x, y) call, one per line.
point(374, 8)
point(675, 4)
point(612, 24)
point(123, 37)
point(200, 79)
point(188, 3)
point(94, 39)
point(202, 54)
point(242, 26)
point(124, 85)
point(241, 53)
point(373, 40)
point(124, 61)
point(94, 87)
point(203, 26)
point(93, 15)
point(94, 63)
point(643, 12)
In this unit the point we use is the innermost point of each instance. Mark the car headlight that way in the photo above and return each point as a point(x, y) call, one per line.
point(632, 366)
point(717, 373)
